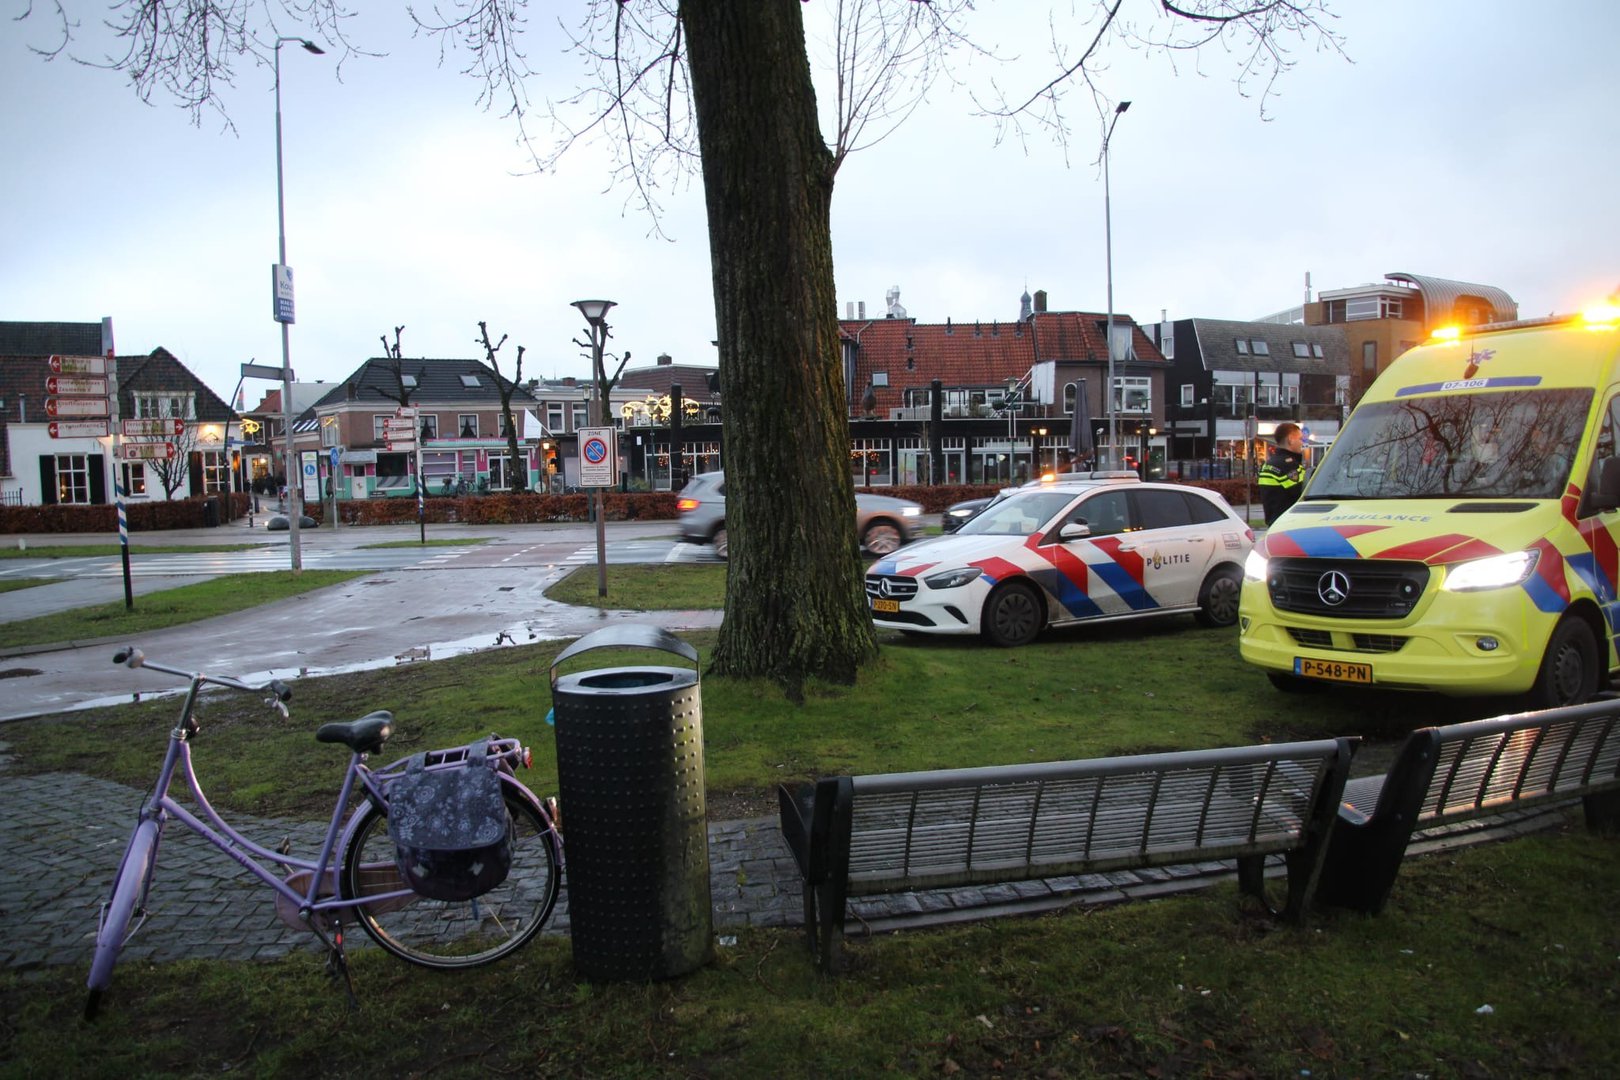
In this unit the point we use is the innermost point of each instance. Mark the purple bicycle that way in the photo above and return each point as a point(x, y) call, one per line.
point(360, 885)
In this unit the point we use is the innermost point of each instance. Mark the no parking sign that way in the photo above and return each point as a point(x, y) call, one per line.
point(598, 457)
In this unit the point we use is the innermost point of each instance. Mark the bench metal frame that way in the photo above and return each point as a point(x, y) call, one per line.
point(1462, 771)
point(895, 832)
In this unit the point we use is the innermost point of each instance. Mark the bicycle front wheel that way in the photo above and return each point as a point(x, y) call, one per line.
point(453, 934)
point(127, 898)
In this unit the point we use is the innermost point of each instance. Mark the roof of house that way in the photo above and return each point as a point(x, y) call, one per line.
point(50, 339)
point(162, 371)
point(693, 379)
point(911, 354)
point(443, 381)
point(1218, 338)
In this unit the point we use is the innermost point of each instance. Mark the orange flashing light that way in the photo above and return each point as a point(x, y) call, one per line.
point(1447, 333)
point(1606, 315)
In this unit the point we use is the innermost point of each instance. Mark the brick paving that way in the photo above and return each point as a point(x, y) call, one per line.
point(64, 834)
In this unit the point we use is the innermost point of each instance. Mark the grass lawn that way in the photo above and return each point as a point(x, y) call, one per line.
point(13, 584)
point(1194, 985)
point(170, 607)
point(79, 551)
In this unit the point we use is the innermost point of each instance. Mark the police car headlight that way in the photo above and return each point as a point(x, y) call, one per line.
point(1496, 572)
point(951, 579)
point(1254, 566)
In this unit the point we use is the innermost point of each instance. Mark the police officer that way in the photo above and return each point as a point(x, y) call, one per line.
point(1282, 477)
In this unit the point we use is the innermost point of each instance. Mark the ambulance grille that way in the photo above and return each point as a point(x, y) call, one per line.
point(1367, 643)
point(1370, 588)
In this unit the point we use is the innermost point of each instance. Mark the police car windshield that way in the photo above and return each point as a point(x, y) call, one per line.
point(1018, 514)
point(1495, 445)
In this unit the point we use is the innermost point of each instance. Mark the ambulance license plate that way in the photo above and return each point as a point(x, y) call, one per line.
point(1333, 670)
point(889, 606)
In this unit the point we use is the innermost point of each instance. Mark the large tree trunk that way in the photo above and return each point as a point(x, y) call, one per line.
point(794, 606)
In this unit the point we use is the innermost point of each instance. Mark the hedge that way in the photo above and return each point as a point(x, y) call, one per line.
point(188, 513)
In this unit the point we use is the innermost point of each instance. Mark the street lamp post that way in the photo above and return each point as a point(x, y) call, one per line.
point(1108, 247)
point(595, 312)
point(281, 284)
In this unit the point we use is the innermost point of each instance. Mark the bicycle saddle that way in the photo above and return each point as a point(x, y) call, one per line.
point(364, 736)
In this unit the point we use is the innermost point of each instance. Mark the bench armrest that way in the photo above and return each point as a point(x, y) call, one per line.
point(796, 806)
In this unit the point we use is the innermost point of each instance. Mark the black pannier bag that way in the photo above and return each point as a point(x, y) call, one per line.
point(451, 830)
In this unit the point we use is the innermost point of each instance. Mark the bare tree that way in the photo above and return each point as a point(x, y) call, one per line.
point(173, 473)
point(724, 87)
point(519, 478)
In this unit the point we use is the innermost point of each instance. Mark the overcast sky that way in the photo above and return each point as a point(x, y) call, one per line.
point(1470, 139)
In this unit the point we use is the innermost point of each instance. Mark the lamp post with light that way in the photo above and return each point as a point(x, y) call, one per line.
point(282, 291)
point(595, 312)
point(1108, 254)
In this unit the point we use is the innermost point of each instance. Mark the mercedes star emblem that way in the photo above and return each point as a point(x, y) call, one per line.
point(1333, 587)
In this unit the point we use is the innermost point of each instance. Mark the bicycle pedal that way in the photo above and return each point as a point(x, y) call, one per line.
point(285, 847)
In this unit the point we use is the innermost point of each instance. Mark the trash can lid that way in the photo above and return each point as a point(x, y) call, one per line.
point(630, 635)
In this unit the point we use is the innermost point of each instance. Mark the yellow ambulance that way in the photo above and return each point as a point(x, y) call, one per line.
point(1461, 534)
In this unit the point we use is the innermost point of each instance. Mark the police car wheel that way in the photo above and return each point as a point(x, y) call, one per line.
point(1012, 615)
point(1568, 674)
point(1218, 597)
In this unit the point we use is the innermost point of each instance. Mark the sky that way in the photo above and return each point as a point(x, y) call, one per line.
point(1468, 139)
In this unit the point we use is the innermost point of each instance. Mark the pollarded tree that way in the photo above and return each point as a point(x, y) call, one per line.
point(727, 84)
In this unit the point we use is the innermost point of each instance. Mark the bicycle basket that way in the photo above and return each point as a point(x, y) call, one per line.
point(451, 830)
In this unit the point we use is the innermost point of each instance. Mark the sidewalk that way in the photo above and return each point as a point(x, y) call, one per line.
point(65, 835)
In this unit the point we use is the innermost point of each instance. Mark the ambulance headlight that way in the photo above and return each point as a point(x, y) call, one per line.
point(1496, 572)
point(952, 579)
point(1254, 566)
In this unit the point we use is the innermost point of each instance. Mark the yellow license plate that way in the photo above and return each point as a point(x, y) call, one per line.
point(890, 606)
point(1334, 670)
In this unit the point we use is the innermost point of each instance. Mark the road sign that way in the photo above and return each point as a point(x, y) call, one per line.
point(78, 365)
point(75, 406)
point(147, 451)
point(70, 384)
point(264, 371)
point(152, 426)
point(281, 285)
point(404, 413)
point(401, 446)
point(598, 461)
point(78, 429)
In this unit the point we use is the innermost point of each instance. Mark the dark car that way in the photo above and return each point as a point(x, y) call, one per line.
point(958, 513)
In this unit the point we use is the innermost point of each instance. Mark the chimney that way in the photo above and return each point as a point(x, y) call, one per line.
point(861, 307)
point(849, 310)
point(1040, 300)
point(664, 359)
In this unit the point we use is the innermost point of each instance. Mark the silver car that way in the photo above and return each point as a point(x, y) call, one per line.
point(882, 524)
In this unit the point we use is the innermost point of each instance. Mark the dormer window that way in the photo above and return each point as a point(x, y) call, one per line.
point(470, 381)
point(408, 381)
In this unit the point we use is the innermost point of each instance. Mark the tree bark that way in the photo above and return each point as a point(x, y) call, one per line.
point(794, 603)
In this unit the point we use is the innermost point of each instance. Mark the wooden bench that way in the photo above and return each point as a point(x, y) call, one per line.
point(1447, 774)
point(868, 835)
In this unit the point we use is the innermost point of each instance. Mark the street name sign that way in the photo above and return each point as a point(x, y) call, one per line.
point(154, 425)
point(75, 406)
point(147, 451)
point(78, 429)
point(78, 365)
point(69, 384)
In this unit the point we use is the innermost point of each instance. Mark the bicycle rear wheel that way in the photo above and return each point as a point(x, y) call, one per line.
point(128, 895)
point(454, 934)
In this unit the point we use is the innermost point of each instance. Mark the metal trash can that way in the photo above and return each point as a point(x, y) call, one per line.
point(210, 513)
point(630, 778)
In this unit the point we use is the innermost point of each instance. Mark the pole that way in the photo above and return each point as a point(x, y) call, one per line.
point(1108, 254)
point(285, 317)
point(113, 427)
point(598, 398)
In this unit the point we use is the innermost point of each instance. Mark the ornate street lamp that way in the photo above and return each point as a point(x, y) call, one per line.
point(595, 312)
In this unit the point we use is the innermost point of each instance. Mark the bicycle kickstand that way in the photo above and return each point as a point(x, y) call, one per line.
point(337, 961)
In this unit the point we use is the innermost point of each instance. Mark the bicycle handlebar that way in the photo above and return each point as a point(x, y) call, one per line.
point(131, 657)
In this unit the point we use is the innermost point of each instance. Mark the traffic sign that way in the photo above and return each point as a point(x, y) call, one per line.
point(152, 426)
point(78, 429)
point(147, 451)
point(78, 365)
point(76, 406)
point(281, 286)
point(405, 413)
point(401, 446)
point(69, 384)
point(598, 462)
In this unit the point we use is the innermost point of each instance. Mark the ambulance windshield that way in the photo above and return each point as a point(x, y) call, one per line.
point(1493, 445)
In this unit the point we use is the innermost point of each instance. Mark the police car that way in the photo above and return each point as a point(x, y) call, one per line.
point(1107, 548)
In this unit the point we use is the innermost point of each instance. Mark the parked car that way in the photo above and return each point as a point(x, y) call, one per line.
point(883, 524)
point(1067, 552)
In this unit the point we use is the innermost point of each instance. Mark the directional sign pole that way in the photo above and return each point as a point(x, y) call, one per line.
point(117, 460)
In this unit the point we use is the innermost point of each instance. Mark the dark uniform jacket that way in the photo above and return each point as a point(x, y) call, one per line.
point(1282, 478)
